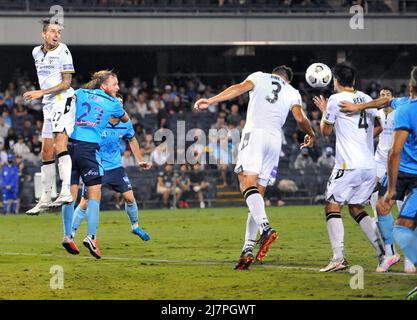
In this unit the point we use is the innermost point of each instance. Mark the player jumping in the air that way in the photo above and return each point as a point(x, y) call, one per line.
point(271, 99)
point(94, 108)
point(115, 175)
point(401, 179)
point(354, 174)
point(54, 67)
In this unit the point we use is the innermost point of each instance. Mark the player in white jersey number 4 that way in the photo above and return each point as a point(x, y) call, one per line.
point(54, 67)
point(354, 174)
point(271, 99)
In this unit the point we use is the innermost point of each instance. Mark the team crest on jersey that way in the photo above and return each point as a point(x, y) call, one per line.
point(53, 60)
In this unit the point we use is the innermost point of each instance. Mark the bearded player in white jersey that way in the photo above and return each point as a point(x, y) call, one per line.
point(54, 67)
point(271, 99)
point(354, 175)
point(384, 217)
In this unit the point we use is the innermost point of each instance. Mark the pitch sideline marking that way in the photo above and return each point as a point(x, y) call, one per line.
point(190, 262)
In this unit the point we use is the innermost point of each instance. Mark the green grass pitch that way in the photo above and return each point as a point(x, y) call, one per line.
point(191, 255)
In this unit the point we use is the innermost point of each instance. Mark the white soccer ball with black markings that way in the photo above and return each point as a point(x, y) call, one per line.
point(318, 75)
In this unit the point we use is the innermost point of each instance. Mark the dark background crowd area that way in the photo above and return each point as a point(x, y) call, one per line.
point(216, 6)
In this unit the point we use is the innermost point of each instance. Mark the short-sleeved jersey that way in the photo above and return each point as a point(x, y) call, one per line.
point(354, 134)
point(50, 66)
point(406, 119)
point(92, 113)
point(112, 135)
point(270, 100)
point(385, 138)
point(396, 102)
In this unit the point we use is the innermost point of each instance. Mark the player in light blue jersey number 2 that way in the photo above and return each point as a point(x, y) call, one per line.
point(114, 174)
point(95, 105)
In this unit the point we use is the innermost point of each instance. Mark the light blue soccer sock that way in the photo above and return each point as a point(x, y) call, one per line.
point(93, 211)
point(386, 227)
point(79, 215)
point(407, 240)
point(67, 217)
point(132, 212)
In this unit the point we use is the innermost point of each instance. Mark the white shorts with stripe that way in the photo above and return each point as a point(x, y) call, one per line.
point(58, 116)
point(259, 152)
point(351, 186)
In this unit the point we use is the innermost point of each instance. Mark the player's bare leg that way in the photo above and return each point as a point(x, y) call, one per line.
point(336, 234)
point(256, 219)
point(64, 168)
point(132, 211)
point(48, 173)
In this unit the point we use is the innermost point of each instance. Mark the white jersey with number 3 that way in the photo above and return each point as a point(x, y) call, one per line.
point(270, 100)
point(354, 134)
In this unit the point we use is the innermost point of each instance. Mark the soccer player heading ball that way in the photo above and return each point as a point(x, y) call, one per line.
point(271, 99)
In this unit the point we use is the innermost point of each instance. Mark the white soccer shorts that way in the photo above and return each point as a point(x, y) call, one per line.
point(59, 116)
point(351, 186)
point(259, 153)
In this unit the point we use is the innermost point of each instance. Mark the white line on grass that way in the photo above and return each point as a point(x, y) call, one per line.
point(190, 262)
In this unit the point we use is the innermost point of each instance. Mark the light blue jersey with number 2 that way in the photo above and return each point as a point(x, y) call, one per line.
point(92, 113)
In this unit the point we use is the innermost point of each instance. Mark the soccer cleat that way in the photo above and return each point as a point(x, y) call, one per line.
point(336, 265)
point(265, 242)
point(245, 260)
point(409, 266)
point(92, 245)
point(387, 263)
point(69, 245)
point(141, 233)
point(41, 206)
point(412, 295)
point(63, 198)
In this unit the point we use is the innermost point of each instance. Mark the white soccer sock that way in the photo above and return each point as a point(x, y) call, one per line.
point(370, 229)
point(251, 233)
point(48, 173)
point(256, 205)
point(65, 167)
point(373, 201)
point(390, 249)
point(336, 233)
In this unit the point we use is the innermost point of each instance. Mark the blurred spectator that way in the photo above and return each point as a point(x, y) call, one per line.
point(147, 147)
point(234, 117)
point(10, 140)
point(35, 145)
point(198, 183)
point(141, 106)
point(4, 127)
point(20, 148)
point(10, 180)
point(3, 154)
point(165, 185)
point(304, 161)
point(184, 183)
point(27, 131)
point(327, 159)
point(161, 154)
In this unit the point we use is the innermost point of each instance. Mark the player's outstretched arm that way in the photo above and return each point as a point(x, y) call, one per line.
point(305, 126)
point(64, 85)
point(228, 94)
point(400, 137)
point(351, 108)
point(134, 146)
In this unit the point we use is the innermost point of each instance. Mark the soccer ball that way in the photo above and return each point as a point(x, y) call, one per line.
point(318, 75)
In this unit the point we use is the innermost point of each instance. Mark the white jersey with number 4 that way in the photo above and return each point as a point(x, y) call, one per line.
point(270, 100)
point(354, 134)
point(50, 66)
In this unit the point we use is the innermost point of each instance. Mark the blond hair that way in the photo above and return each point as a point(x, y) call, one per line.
point(98, 78)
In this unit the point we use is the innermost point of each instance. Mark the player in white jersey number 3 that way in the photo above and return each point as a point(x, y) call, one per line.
point(54, 67)
point(354, 174)
point(271, 99)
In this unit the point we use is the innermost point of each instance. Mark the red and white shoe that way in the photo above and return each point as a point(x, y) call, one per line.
point(387, 263)
point(92, 245)
point(69, 245)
